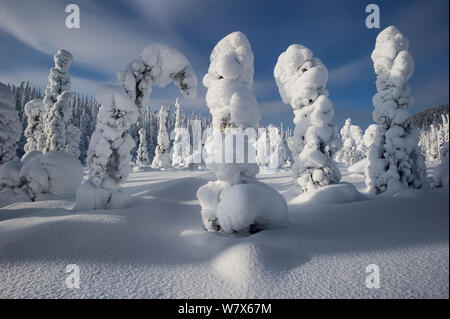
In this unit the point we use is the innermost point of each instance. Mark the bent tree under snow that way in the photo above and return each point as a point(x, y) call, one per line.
point(394, 158)
point(109, 149)
point(301, 80)
point(236, 201)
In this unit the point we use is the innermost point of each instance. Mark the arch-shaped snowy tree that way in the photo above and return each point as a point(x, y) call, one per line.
point(236, 201)
point(394, 158)
point(109, 149)
point(301, 80)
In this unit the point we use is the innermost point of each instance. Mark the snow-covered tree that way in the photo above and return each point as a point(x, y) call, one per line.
point(353, 149)
point(59, 79)
point(301, 80)
point(162, 151)
point(10, 126)
point(394, 159)
point(109, 150)
point(142, 153)
point(369, 136)
point(181, 144)
point(236, 201)
point(34, 132)
point(57, 121)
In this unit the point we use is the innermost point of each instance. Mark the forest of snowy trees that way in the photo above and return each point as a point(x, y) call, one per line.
point(84, 110)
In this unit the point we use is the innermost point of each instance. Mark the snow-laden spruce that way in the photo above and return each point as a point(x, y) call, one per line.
point(142, 153)
point(10, 126)
point(394, 159)
point(162, 151)
point(236, 201)
point(59, 81)
point(181, 141)
point(353, 149)
point(73, 140)
point(301, 80)
point(57, 121)
point(34, 132)
point(109, 149)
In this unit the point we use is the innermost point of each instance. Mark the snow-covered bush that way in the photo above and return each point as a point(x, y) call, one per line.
point(440, 173)
point(301, 80)
point(353, 149)
point(142, 153)
point(236, 201)
point(369, 136)
point(34, 132)
point(57, 121)
point(10, 126)
point(394, 159)
point(181, 146)
point(109, 150)
point(162, 151)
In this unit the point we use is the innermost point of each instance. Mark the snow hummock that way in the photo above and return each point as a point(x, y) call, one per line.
point(158, 249)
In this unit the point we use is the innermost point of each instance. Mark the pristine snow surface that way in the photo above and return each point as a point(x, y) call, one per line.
point(158, 249)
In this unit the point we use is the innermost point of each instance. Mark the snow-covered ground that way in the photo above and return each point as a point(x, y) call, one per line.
point(158, 249)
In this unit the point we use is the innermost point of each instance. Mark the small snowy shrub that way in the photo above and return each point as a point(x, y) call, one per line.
point(10, 126)
point(301, 80)
point(236, 201)
point(394, 158)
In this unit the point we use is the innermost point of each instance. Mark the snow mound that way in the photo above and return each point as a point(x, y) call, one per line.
point(358, 167)
point(331, 194)
point(56, 173)
point(251, 204)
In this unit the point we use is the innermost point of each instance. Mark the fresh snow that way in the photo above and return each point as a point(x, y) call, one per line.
point(157, 248)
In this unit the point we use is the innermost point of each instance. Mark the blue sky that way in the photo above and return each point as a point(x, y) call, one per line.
point(115, 31)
